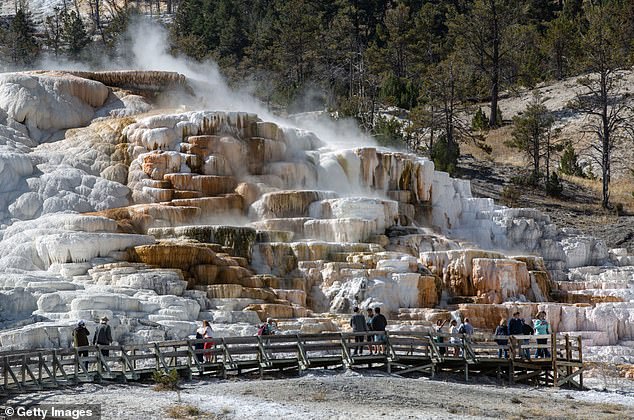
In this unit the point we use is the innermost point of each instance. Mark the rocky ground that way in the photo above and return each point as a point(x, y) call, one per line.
point(339, 395)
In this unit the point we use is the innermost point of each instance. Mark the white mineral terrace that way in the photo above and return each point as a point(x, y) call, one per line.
point(158, 219)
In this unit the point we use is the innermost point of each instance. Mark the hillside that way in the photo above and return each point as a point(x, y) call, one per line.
point(579, 207)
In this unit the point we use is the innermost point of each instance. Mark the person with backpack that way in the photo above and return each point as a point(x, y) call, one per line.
point(466, 327)
point(267, 328)
point(80, 339)
point(379, 322)
point(502, 330)
point(103, 336)
point(467, 330)
point(358, 324)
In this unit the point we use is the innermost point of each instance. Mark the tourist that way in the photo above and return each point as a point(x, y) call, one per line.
point(358, 324)
point(369, 324)
point(439, 338)
point(515, 325)
point(198, 347)
point(542, 328)
point(454, 340)
point(80, 339)
point(103, 336)
point(502, 330)
point(527, 330)
point(270, 328)
point(466, 328)
point(379, 322)
point(207, 333)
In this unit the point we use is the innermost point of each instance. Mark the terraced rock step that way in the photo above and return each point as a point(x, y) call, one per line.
point(239, 239)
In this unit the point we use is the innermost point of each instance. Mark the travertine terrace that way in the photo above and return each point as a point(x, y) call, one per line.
point(160, 218)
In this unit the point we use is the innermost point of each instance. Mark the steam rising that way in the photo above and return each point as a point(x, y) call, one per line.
point(148, 49)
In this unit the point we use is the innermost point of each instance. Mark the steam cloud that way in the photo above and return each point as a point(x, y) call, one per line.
point(148, 50)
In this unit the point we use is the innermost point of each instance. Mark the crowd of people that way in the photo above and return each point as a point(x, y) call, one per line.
point(517, 326)
point(374, 321)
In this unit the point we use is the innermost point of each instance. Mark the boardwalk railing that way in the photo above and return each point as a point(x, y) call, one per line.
point(399, 352)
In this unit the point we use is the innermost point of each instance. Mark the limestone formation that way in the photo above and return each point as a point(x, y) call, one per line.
point(159, 219)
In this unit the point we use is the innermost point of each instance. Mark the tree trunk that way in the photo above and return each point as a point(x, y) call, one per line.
point(605, 146)
point(605, 163)
point(548, 156)
point(559, 63)
point(495, 71)
point(536, 142)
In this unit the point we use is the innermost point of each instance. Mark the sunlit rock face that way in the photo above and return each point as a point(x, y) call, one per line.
point(496, 281)
point(111, 206)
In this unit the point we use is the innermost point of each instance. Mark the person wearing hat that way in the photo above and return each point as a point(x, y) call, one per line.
point(103, 335)
point(80, 339)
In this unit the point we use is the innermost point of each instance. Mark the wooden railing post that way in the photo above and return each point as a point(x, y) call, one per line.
point(421, 347)
point(568, 355)
point(54, 366)
point(579, 343)
point(23, 370)
point(39, 366)
point(553, 346)
point(5, 371)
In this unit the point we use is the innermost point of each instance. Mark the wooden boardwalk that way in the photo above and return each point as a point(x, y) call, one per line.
point(404, 353)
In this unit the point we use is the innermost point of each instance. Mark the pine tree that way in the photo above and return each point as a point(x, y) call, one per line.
point(74, 35)
point(533, 134)
point(604, 99)
point(297, 32)
point(486, 38)
point(23, 47)
point(54, 26)
point(561, 44)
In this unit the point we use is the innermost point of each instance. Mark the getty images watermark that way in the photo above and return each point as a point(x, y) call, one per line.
point(51, 411)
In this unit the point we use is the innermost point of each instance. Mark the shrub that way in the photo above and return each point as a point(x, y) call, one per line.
point(569, 162)
point(484, 147)
point(388, 132)
point(166, 380)
point(480, 120)
point(554, 186)
point(319, 396)
point(510, 196)
point(618, 209)
point(183, 411)
point(445, 155)
point(518, 180)
point(400, 92)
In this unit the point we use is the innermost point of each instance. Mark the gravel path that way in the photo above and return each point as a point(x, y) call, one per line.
point(340, 395)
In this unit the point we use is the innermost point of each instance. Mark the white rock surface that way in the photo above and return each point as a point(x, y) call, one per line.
point(62, 153)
